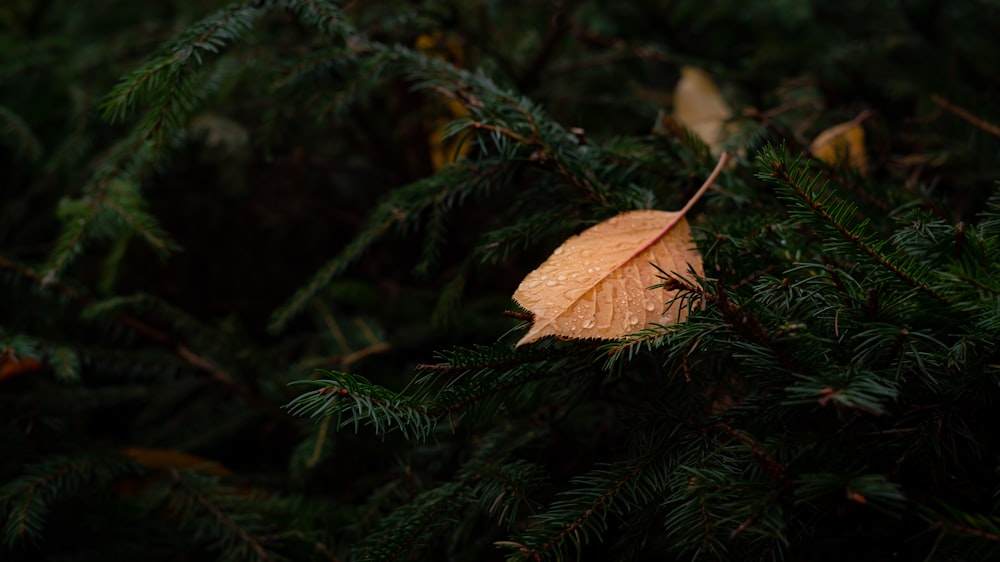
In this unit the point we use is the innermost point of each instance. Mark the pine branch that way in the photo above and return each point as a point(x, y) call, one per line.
point(237, 524)
point(870, 490)
point(403, 209)
point(177, 345)
point(504, 489)
point(583, 512)
point(476, 379)
point(835, 216)
point(18, 135)
point(25, 500)
point(110, 208)
point(410, 526)
point(353, 400)
point(166, 75)
point(324, 15)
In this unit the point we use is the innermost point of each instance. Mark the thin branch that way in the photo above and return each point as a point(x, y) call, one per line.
point(224, 519)
point(965, 114)
point(160, 338)
point(778, 171)
point(604, 499)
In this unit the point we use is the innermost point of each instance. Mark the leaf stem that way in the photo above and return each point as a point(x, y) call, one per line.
point(723, 159)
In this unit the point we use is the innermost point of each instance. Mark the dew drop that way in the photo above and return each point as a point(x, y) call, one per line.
point(632, 318)
point(588, 323)
point(558, 251)
point(533, 284)
point(650, 306)
point(561, 278)
point(550, 283)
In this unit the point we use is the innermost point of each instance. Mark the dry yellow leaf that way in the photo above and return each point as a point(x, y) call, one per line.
point(444, 151)
point(169, 458)
point(699, 106)
point(12, 366)
point(843, 144)
point(596, 285)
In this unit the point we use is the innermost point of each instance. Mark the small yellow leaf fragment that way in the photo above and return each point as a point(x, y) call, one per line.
point(699, 106)
point(443, 151)
point(596, 284)
point(12, 366)
point(843, 144)
point(169, 458)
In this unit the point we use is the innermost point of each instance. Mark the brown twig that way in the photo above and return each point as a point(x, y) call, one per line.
point(160, 338)
point(224, 519)
point(558, 27)
point(965, 114)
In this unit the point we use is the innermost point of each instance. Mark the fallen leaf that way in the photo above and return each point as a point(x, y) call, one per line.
point(699, 106)
point(596, 285)
point(163, 460)
point(169, 458)
point(11, 367)
point(843, 144)
point(443, 150)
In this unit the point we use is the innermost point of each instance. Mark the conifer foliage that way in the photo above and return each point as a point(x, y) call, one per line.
point(256, 262)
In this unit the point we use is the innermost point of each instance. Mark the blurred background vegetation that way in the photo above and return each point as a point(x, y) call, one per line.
point(148, 237)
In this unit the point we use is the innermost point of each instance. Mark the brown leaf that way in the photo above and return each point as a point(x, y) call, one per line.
point(699, 106)
point(843, 144)
point(169, 458)
point(596, 284)
point(11, 367)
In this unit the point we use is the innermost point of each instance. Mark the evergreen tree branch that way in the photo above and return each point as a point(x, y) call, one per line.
point(236, 534)
point(25, 500)
point(321, 14)
point(238, 524)
point(207, 37)
point(965, 114)
point(159, 337)
point(353, 400)
point(789, 176)
point(110, 207)
point(18, 135)
point(403, 209)
point(411, 524)
point(469, 382)
point(583, 511)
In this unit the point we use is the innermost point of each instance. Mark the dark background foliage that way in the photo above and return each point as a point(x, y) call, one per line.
point(226, 232)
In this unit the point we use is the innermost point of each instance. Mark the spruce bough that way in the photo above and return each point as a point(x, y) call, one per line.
point(830, 394)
